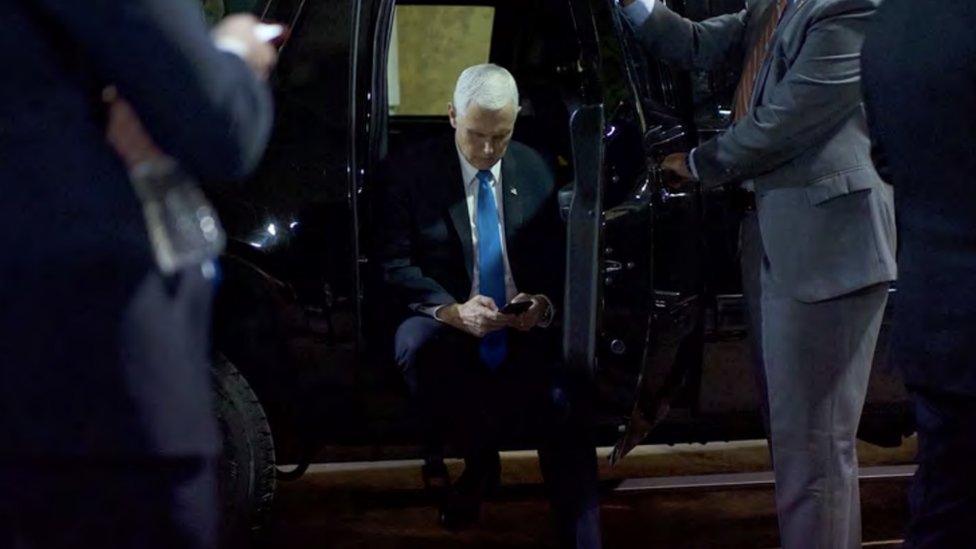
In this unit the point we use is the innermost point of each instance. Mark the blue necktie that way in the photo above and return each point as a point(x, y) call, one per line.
point(491, 268)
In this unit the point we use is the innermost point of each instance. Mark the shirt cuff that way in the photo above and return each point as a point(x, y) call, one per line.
point(691, 164)
point(552, 313)
point(432, 311)
point(639, 11)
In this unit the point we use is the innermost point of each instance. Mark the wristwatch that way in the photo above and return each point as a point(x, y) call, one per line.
point(547, 315)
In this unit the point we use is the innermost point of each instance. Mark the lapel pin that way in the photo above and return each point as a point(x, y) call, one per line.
point(514, 191)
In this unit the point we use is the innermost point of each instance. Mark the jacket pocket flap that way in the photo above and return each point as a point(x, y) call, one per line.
point(840, 184)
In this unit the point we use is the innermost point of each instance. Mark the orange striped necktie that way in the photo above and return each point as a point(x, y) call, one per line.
point(754, 62)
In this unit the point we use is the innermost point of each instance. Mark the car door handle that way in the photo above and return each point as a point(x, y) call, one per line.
point(665, 194)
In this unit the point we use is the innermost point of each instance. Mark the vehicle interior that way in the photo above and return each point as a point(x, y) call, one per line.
point(429, 44)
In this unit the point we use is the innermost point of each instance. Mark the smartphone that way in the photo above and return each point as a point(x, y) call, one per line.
point(516, 308)
point(274, 33)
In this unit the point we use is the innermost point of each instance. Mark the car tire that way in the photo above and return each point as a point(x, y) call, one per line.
point(246, 468)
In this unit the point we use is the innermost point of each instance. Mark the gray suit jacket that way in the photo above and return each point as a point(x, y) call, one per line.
point(826, 217)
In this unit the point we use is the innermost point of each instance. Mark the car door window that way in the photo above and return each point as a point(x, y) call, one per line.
point(429, 47)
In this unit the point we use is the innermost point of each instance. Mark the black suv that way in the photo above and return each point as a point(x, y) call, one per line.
point(654, 309)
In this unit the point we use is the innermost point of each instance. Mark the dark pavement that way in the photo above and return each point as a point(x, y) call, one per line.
point(654, 499)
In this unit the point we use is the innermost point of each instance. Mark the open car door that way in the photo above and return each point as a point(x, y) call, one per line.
point(585, 206)
point(633, 315)
point(583, 237)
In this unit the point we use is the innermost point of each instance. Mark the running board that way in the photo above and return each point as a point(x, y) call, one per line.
point(743, 480)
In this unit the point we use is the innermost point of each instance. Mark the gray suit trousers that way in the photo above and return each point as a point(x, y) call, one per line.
point(815, 360)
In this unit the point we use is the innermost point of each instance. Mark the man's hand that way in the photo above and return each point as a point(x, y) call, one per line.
point(478, 316)
point(236, 33)
point(125, 131)
point(530, 318)
point(676, 165)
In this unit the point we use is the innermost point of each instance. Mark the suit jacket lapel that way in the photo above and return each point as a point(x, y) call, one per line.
point(755, 33)
point(458, 208)
point(511, 200)
point(755, 29)
point(791, 11)
point(761, 81)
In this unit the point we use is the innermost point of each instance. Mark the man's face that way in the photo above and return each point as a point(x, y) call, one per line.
point(483, 135)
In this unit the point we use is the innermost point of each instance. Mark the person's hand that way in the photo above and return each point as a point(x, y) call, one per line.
point(236, 33)
point(530, 318)
point(126, 133)
point(676, 165)
point(478, 316)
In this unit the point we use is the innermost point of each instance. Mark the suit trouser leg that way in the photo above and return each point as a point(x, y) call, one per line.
point(448, 384)
point(476, 408)
point(569, 466)
point(567, 458)
point(539, 393)
point(140, 504)
point(751, 262)
point(942, 498)
point(818, 359)
point(156, 497)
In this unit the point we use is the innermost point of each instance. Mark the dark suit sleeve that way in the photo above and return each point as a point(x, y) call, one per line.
point(541, 264)
point(555, 250)
point(394, 248)
point(202, 106)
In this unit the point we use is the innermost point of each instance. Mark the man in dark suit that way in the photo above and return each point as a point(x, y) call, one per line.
point(107, 437)
point(467, 225)
point(920, 88)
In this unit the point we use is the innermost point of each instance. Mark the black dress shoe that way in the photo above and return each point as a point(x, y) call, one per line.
point(436, 479)
point(462, 506)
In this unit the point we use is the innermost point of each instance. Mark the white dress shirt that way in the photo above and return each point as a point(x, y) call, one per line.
point(469, 177)
point(639, 11)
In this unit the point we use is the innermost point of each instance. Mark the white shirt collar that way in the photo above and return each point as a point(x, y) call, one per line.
point(469, 172)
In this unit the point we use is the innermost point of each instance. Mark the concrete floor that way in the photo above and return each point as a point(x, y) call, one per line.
point(381, 505)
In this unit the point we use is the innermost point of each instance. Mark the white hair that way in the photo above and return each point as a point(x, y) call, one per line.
point(489, 86)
